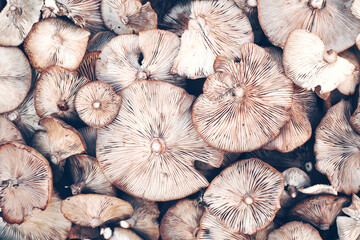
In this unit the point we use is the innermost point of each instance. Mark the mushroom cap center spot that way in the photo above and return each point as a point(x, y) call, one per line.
point(96, 104)
point(238, 93)
point(248, 200)
point(157, 145)
point(12, 8)
point(318, 4)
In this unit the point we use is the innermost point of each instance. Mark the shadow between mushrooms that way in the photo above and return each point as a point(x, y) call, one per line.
point(150, 149)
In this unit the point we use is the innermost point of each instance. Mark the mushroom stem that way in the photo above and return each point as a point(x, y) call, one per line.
point(248, 200)
point(128, 223)
point(292, 191)
point(252, 3)
point(77, 188)
point(95, 222)
point(157, 145)
point(106, 232)
point(324, 226)
point(96, 104)
point(330, 56)
point(238, 92)
point(62, 105)
point(10, 183)
point(55, 158)
point(124, 19)
point(14, 116)
point(318, 4)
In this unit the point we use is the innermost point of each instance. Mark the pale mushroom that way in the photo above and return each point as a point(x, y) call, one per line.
point(349, 227)
point(295, 231)
point(9, 132)
point(348, 86)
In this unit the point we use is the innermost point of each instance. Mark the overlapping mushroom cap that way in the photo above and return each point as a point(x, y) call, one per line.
point(349, 227)
point(150, 149)
point(245, 196)
point(244, 104)
point(9, 132)
point(329, 19)
point(295, 231)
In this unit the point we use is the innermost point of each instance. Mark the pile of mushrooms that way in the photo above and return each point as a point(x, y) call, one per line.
point(180, 120)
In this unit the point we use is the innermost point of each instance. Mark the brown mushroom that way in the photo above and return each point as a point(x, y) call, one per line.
point(97, 104)
point(97, 41)
point(9, 132)
point(93, 210)
point(294, 178)
point(83, 233)
point(295, 231)
point(87, 65)
point(245, 196)
point(26, 182)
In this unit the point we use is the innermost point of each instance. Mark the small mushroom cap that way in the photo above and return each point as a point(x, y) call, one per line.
point(97, 41)
point(15, 77)
point(245, 196)
point(348, 86)
point(97, 104)
point(124, 234)
point(296, 177)
point(336, 149)
point(9, 132)
point(128, 16)
point(243, 96)
point(182, 220)
point(321, 211)
point(64, 140)
point(87, 65)
point(16, 19)
point(295, 231)
point(348, 228)
point(308, 64)
point(26, 182)
point(54, 41)
point(318, 189)
point(55, 92)
point(153, 141)
point(93, 210)
point(355, 8)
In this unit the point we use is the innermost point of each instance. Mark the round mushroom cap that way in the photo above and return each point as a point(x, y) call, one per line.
point(182, 220)
point(245, 196)
point(9, 132)
point(128, 16)
point(295, 231)
point(26, 182)
point(244, 104)
point(93, 210)
point(54, 41)
point(97, 104)
point(153, 141)
point(331, 20)
point(15, 78)
point(309, 65)
point(16, 19)
point(337, 147)
point(55, 93)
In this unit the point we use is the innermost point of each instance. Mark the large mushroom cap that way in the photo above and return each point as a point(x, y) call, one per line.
point(26, 182)
point(349, 227)
point(150, 148)
point(337, 149)
point(329, 19)
point(16, 20)
point(54, 41)
point(244, 104)
point(93, 210)
point(308, 64)
point(9, 132)
point(15, 78)
point(295, 231)
point(245, 196)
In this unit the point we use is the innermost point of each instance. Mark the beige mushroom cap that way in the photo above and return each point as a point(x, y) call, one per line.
point(355, 8)
point(295, 231)
point(349, 227)
point(9, 132)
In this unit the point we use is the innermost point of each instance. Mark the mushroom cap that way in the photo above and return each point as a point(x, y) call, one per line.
point(40, 142)
point(15, 77)
point(177, 18)
point(295, 231)
point(182, 220)
point(337, 149)
point(245, 196)
point(355, 8)
point(318, 189)
point(308, 64)
point(296, 177)
point(87, 65)
point(124, 234)
point(119, 65)
point(55, 92)
point(152, 141)
point(54, 41)
point(64, 140)
point(98, 40)
point(354, 209)
point(244, 104)
point(87, 176)
point(331, 20)
point(348, 86)
point(128, 16)
point(16, 19)
point(26, 181)
point(9, 132)
point(347, 228)
point(93, 210)
point(355, 118)
point(215, 28)
point(321, 211)
point(47, 224)
point(97, 104)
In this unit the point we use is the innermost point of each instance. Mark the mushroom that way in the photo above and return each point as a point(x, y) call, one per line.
point(309, 65)
point(16, 19)
point(318, 189)
point(15, 77)
point(9, 132)
point(355, 8)
point(93, 210)
point(245, 196)
point(55, 93)
point(128, 16)
point(54, 41)
point(46, 224)
point(337, 149)
point(64, 140)
point(215, 28)
point(348, 86)
point(26, 182)
point(349, 227)
point(294, 178)
point(87, 65)
point(331, 20)
point(123, 234)
point(244, 104)
point(97, 104)
point(176, 20)
point(87, 177)
point(97, 41)
point(182, 220)
point(119, 66)
point(152, 141)
point(83, 233)
point(321, 211)
point(89, 135)
point(295, 231)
